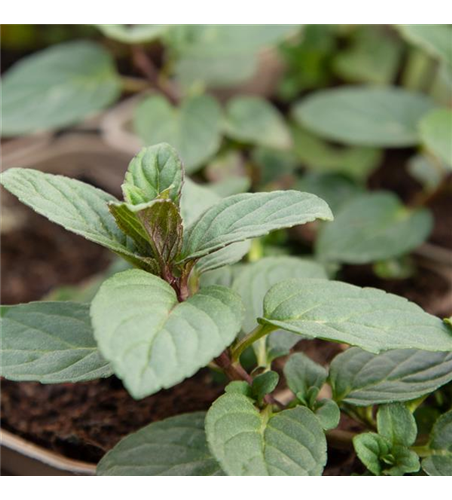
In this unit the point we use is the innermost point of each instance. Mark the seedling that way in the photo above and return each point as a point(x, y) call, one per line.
point(160, 322)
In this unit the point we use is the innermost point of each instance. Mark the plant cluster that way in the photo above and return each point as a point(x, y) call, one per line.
point(205, 276)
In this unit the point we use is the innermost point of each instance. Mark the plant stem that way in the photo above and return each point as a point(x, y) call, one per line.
point(249, 339)
point(148, 69)
point(235, 371)
point(131, 84)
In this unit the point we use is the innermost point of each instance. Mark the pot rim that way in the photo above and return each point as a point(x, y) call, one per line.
point(50, 458)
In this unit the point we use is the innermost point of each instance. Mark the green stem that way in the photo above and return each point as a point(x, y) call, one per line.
point(249, 339)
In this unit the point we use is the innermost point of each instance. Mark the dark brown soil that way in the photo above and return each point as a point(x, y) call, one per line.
point(40, 255)
point(85, 420)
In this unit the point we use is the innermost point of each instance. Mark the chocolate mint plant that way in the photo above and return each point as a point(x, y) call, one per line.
point(185, 304)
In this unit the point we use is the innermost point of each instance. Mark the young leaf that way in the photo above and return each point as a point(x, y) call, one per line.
point(366, 317)
point(255, 279)
point(255, 120)
point(364, 116)
point(193, 128)
point(302, 374)
point(381, 457)
point(156, 171)
point(436, 133)
point(49, 342)
point(57, 87)
point(249, 215)
point(397, 424)
point(175, 446)
point(76, 206)
point(163, 224)
point(264, 384)
point(249, 443)
point(371, 227)
point(154, 342)
point(328, 412)
point(363, 379)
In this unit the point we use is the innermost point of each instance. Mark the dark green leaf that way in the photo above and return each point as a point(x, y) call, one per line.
point(440, 462)
point(264, 384)
point(397, 424)
point(328, 412)
point(302, 374)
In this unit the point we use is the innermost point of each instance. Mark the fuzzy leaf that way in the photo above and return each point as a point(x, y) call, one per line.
point(154, 342)
point(397, 424)
point(163, 224)
point(264, 384)
point(371, 227)
point(156, 171)
point(363, 379)
point(248, 443)
point(255, 120)
point(440, 463)
point(225, 257)
point(328, 412)
point(366, 317)
point(364, 116)
point(57, 87)
point(256, 279)
point(193, 128)
point(175, 446)
point(382, 458)
point(78, 207)
point(49, 342)
point(249, 215)
point(302, 374)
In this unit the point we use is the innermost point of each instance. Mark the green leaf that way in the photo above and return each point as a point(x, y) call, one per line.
point(438, 465)
point(255, 120)
point(163, 224)
point(193, 128)
point(175, 446)
point(76, 206)
point(156, 171)
point(366, 317)
point(364, 116)
point(397, 424)
point(370, 447)
point(49, 342)
point(302, 374)
point(373, 57)
point(328, 412)
point(58, 87)
point(249, 215)
point(264, 384)
point(224, 257)
point(195, 200)
point(256, 279)
point(335, 189)
point(436, 133)
point(154, 342)
point(363, 379)
point(441, 436)
point(136, 33)
point(320, 156)
point(205, 53)
point(382, 458)
point(249, 443)
point(433, 38)
point(425, 170)
point(371, 227)
point(440, 462)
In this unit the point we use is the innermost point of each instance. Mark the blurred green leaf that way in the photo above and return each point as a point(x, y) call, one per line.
point(436, 133)
point(435, 39)
point(136, 33)
point(58, 87)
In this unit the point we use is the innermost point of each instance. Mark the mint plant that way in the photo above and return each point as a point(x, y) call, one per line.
point(186, 304)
